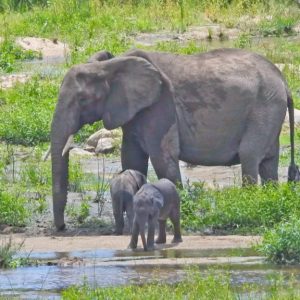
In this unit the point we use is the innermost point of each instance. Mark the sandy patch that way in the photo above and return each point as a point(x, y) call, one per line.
point(79, 243)
point(48, 48)
point(8, 81)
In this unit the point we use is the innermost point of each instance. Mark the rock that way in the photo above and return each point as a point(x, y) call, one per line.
point(291, 67)
point(8, 230)
point(89, 148)
point(102, 133)
point(48, 48)
point(105, 145)
point(297, 28)
point(80, 152)
point(8, 81)
point(296, 116)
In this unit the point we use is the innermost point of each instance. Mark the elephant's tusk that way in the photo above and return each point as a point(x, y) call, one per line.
point(46, 155)
point(68, 145)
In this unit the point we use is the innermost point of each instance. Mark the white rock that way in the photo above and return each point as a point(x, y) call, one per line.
point(100, 134)
point(105, 145)
point(80, 152)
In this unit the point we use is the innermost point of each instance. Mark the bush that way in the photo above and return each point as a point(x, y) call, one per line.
point(282, 243)
point(10, 53)
point(237, 209)
point(13, 209)
point(26, 112)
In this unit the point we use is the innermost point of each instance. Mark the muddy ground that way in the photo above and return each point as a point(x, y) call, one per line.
point(84, 243)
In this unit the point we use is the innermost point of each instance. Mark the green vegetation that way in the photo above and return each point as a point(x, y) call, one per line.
point(214, 285)
point(10, 54)
point(281, 244)
point(26, 111)
point(13, 208)
point(236, 209)
point(7, 252)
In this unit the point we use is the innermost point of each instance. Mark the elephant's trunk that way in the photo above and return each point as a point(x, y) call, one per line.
point(59, 136)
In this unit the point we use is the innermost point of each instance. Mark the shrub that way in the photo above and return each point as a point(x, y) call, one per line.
point(237, 209)
point(281, 244)
point(26, 112)
point(13, 209)
point(10, 54)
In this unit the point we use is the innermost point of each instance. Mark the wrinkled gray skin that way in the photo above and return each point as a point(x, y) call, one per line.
point(152, 203)
point(222, 107)
point(122, 189)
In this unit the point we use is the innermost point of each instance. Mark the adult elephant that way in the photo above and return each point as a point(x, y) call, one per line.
point(222, 107)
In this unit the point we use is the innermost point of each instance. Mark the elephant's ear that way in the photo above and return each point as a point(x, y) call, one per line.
point(134, 85)
point(158, 198)
point(139, 178)
point(100, 56)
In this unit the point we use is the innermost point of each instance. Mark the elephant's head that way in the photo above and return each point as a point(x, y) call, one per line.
point(114, 91)
point(147, 203)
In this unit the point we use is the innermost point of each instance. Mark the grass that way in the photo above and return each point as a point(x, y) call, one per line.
point(7, 252)
point(238, 210)
point(211, 285)
point(11, 54)
point(281, 244)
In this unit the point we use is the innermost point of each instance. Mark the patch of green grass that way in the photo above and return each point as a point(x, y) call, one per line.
point(277, 25)
point(191, 47)
point(236, 209)
point(78, 213)
point(197, 285)
point(26, 111)
point(7, 252)
point(13, 209)
point(281, 244)
point(11, 54)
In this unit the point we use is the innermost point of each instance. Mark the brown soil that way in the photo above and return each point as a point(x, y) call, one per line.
point(79, 243)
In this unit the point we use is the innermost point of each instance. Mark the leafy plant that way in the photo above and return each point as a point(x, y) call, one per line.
point(13, 208)
point(27, 111)
point(10, 53)
point(78, 213)
point(237, 209)
point(281, 244)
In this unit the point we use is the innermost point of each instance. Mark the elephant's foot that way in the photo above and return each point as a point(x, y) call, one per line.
point(161, 240)
point(176, 239)
point(132, 245)
point(118, 232)
point(61, 227)
point(149, 248)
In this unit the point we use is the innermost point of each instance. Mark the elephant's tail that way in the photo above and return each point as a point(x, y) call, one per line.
point(293, 172)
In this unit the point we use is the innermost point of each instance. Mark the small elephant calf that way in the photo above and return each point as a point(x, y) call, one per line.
point(154, 202)
point(122, 189)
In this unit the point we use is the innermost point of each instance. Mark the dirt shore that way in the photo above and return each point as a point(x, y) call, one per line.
point(80, 243)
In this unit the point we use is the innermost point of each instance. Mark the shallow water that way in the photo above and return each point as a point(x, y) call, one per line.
point(56, 271)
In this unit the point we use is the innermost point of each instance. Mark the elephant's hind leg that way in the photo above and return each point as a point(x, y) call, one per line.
point(268, 168)
point(175, 219)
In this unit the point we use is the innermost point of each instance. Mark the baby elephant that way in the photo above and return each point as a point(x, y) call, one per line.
point(154, 202)
point(122, 189)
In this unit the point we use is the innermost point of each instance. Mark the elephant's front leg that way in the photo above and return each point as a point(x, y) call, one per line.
point(134, 235)
point(164, 154)
point(132, 155)
point(151, 232)
point(162, 238)
point(166, 166)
